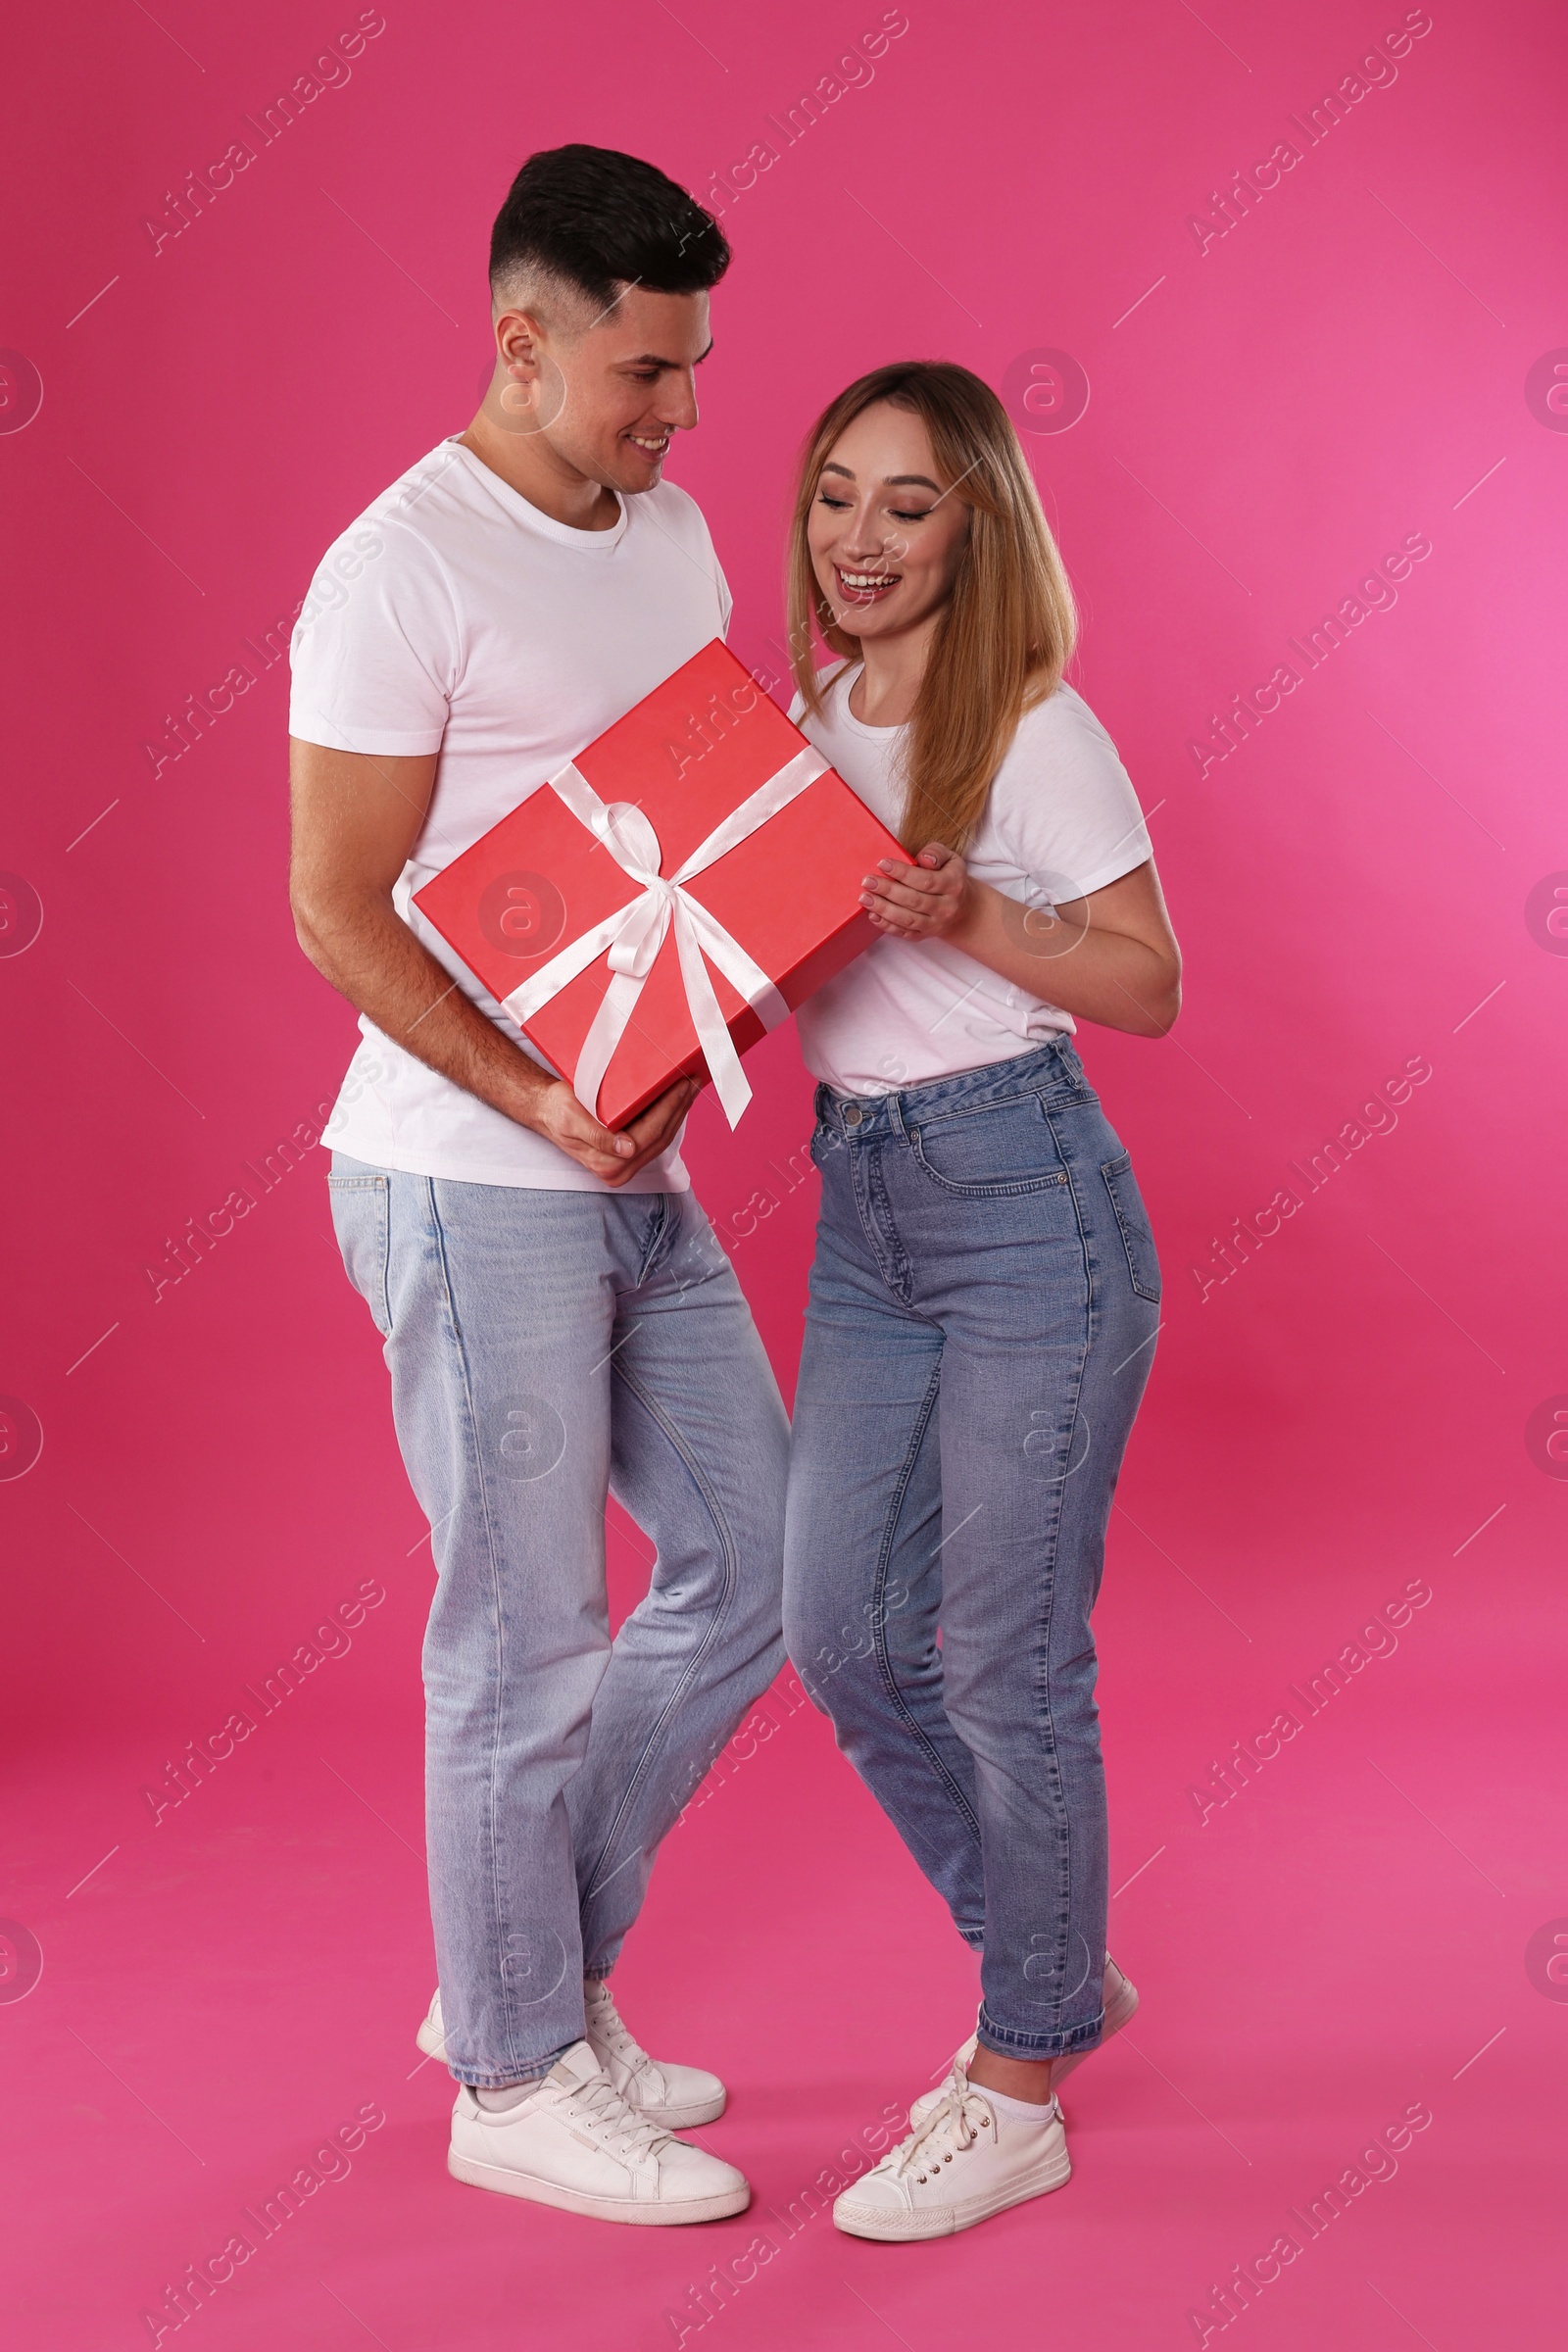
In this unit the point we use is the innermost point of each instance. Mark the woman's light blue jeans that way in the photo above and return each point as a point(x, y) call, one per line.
point(983, 1310)
point(545, 1348)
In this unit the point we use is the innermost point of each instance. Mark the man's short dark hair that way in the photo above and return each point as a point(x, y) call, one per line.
point(599, 221)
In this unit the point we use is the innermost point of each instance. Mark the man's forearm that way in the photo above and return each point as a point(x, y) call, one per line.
point(371, 957)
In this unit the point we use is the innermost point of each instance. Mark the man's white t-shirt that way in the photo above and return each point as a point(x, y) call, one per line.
point(454, 617)
point(1063, 819)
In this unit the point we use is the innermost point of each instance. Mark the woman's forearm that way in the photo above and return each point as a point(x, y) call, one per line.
point(1060, 954)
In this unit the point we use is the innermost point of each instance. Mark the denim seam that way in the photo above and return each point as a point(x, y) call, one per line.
point(852, 1177)
point(1021, 1189)
point(886, 1247)
point(1004, 2041)
point(386, 1328)
point(662, 1232)
point(1062, 1080)
point(884, 1662)
point(731, 1580)
point(533, 2073)
point(1053, 1542)
point(1122, 1165)
point(972, 1109)
point(1007, 1189)
point(459, 1353)
point(379, 1297)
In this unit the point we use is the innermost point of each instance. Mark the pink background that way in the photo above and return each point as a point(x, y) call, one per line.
point(1366, 1401)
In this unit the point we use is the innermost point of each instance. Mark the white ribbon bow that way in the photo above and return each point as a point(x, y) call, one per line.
point(634, 934)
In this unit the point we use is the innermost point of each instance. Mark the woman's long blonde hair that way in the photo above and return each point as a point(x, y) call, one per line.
point(1007, 631)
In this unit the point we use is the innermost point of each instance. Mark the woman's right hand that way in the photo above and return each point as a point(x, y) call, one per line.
point(924, 901)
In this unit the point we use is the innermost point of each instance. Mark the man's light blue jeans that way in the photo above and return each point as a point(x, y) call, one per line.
point(982, 1318)
point(545, 1348)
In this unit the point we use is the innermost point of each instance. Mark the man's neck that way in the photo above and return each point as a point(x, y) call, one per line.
point(526, 464)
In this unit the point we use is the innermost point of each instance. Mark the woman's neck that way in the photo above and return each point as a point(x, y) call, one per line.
point(885, 692)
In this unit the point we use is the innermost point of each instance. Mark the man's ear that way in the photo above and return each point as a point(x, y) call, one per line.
point(520, 340)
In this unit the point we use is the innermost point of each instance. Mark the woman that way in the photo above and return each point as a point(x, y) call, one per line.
point(986, 1292)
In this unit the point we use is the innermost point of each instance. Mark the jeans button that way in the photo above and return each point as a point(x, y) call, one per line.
point(852, 1117)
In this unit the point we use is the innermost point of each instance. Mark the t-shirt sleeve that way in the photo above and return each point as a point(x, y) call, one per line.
point(374, 653)
point(676, 514)
point(1064, 805)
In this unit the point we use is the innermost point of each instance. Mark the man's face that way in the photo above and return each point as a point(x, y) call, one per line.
point(604, 395)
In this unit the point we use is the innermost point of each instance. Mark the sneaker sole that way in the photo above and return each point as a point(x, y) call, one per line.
point(902, 2224)
point(649, 2214)
point(673, 2119)
point(1118, 2013)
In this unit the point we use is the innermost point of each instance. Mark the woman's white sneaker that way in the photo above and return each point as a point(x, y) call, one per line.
point(967, 2160)
point(575, 2143)
point(676, 2096)
point(1120, 1996)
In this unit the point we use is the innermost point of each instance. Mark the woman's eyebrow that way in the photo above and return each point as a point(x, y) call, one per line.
point(893, 482)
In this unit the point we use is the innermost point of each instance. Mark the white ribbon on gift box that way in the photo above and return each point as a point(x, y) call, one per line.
point(633, 935)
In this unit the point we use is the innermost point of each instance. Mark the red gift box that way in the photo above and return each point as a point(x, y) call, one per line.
point(579, 914)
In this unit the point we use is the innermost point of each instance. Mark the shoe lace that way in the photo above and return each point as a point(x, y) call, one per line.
point(608, 2024)
point(611, 2029)
point(599, 2106)
point(953, 2123)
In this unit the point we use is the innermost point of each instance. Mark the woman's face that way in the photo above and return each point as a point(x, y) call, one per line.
point(885, 534)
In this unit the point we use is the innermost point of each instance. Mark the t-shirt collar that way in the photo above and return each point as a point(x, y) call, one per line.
point(840, 686)
point(593, 543)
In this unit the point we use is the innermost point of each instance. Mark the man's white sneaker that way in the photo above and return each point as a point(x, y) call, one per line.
point(433, 2037)
point(968, 2159)
point(676, 2096)
point(1120, 1997)
point(573, 2142)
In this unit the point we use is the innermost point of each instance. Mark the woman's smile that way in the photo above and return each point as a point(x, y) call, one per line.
point(863, 586)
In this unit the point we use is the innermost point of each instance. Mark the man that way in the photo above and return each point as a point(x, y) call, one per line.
point(558, 1317)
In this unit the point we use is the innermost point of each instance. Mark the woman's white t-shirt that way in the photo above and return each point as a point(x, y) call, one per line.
point(1063, 819)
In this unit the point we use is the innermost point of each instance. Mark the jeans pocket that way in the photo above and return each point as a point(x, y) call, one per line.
point(361, 1221)
point(1137, 1234)
point(996, 1150)
point(825, 1145)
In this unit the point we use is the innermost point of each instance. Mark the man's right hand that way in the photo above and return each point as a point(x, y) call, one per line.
point(556, 1113)
point(356, 819)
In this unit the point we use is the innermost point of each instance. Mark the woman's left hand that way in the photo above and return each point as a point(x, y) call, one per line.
point(922, 900)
